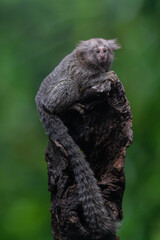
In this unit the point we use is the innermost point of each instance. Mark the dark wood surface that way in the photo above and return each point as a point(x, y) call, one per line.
point(101, 126)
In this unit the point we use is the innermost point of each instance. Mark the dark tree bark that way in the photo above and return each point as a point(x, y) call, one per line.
point(101, 126)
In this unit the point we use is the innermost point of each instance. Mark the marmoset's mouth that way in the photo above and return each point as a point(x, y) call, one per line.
point(102, 60)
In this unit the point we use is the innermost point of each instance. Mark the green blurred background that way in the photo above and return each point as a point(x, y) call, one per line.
point(34, 36)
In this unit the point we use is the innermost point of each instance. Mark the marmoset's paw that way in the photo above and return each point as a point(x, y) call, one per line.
point(78, 107)
point(103, 87)
point(111, 75)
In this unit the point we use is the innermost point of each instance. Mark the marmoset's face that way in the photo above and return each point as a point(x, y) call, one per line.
point(101, 54)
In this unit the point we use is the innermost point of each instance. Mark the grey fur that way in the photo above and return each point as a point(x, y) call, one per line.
point(83, 68)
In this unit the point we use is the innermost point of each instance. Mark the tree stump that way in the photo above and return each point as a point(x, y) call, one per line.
point(101, 126)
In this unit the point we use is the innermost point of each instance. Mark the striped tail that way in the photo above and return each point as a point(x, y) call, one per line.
point(98, 217)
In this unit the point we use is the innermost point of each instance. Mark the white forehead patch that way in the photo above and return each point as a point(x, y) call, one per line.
point(101, 48)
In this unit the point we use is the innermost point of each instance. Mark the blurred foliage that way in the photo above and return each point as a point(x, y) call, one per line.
point(34, 37)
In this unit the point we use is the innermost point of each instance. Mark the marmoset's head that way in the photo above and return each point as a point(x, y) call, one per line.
point(97, 52)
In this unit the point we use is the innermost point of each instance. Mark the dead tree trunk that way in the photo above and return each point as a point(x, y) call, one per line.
point(101, 126)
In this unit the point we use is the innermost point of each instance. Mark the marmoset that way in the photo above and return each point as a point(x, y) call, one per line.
point(86, 67)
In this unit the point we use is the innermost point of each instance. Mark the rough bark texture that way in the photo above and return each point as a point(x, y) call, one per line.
point(102, 129)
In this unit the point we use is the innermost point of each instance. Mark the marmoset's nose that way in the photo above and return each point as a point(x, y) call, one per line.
point(102, 56)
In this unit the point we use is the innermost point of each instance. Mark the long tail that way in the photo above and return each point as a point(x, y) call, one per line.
point(98, 217)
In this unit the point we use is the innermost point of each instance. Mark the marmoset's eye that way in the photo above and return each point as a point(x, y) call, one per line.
point(97, 51)
point(105, 50)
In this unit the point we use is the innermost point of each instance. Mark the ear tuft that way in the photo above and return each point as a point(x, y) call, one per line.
point(113, 44)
